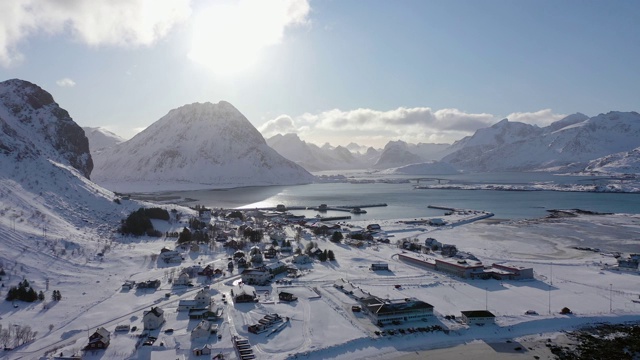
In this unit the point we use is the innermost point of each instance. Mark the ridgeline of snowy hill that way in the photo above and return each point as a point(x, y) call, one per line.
point(315, 158)
point(567, 145)
point(627, 162)
point(34, 126)
point(100, 138)
point(432, 167)
point(196, 146)
point(45, 193)
point(400, 153)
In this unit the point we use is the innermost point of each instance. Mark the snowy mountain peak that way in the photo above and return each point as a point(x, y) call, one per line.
point(101, 138)
point(34, 126)
point(200, 145)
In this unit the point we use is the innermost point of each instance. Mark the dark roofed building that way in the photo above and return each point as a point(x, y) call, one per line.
point(386, 311)
point(285, 296)
point(478, 317)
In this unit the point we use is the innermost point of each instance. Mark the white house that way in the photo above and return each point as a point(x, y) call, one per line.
point(201, 331)
point(182, 279)
point(301, 259)
point(201, 301)
point(170, 256)
point(153, 318)
point(255, 276)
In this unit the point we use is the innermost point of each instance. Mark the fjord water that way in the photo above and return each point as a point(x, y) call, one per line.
point(406, 202)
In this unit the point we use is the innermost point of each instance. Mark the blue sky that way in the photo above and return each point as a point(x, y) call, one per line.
point(336, 71)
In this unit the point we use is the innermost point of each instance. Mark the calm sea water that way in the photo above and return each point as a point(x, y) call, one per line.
point(405, 202)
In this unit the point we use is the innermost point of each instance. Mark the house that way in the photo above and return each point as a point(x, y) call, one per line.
point(153, 318)
point(379, 266)
point(436, 222)
point(208, 270)
point(99, 339)
point(373, 227)
point(202, 300)
point(182, 279)
point(285, 296)
point(383, 311)
point(256, 276)
point(205, 350)
point(630, 263)
point(244, 297)
point(149, 284)
point(202, 330)
point(515, 272)
point(478, 317)
point(301, 259)
point(270, 253)
point(170, 256)
point(275, 268)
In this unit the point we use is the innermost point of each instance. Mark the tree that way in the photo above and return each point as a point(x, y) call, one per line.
point(56, 296)
point(185, 236)
point(331, 256)
point(337, 237)
point(565, 311)
point(41, 296)
point(323, 256)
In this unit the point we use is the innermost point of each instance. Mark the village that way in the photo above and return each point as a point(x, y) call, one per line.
point(265, 283)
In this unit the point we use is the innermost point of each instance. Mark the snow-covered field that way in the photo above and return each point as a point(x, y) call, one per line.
point(321, 323)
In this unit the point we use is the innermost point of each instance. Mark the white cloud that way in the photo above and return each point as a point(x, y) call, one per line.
point(66, 82)
point(229, 36)
point(95, 22)
point(376, 128)
point(541, 118)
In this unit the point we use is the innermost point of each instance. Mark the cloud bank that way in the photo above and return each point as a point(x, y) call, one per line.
point(66, 82)
point(95, 22)
point(376, 128)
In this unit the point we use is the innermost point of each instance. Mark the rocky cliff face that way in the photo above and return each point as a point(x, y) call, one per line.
point(33, 125)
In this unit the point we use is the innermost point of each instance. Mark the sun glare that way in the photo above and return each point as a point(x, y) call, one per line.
point(229, 38)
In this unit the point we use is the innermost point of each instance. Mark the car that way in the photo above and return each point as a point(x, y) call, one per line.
point(168, 331)
point(219, 336)
point(531, 312)
point(224, 296)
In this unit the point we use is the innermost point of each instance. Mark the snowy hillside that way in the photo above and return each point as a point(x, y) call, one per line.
point(315, 158)
point(627, 162)
point(100, 138)
point(568, 144)
point(426, 168)
point(400, 153)
point(196, 146)
point(47, 203)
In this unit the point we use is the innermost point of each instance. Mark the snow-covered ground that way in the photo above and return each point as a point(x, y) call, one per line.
point(321, 323)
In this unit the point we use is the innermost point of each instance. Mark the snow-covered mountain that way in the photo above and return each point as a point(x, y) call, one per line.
point(101, 138)
point(399, 153)
point(35, 127)
point(201, 145)
point(627, 162)
point(315, 158)
point(568, 144)
point(44, 170)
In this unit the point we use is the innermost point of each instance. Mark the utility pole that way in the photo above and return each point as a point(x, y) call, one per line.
point(549, 299)
point(486, 298)
point(610, 298)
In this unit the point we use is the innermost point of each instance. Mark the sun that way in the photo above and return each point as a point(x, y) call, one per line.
point(229, 38)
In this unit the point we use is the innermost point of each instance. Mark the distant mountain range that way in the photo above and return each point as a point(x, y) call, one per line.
point(100, 139)
point(201, 145)
point(566, 145)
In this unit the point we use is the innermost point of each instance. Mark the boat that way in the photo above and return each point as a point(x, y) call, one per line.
point(357, 210)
